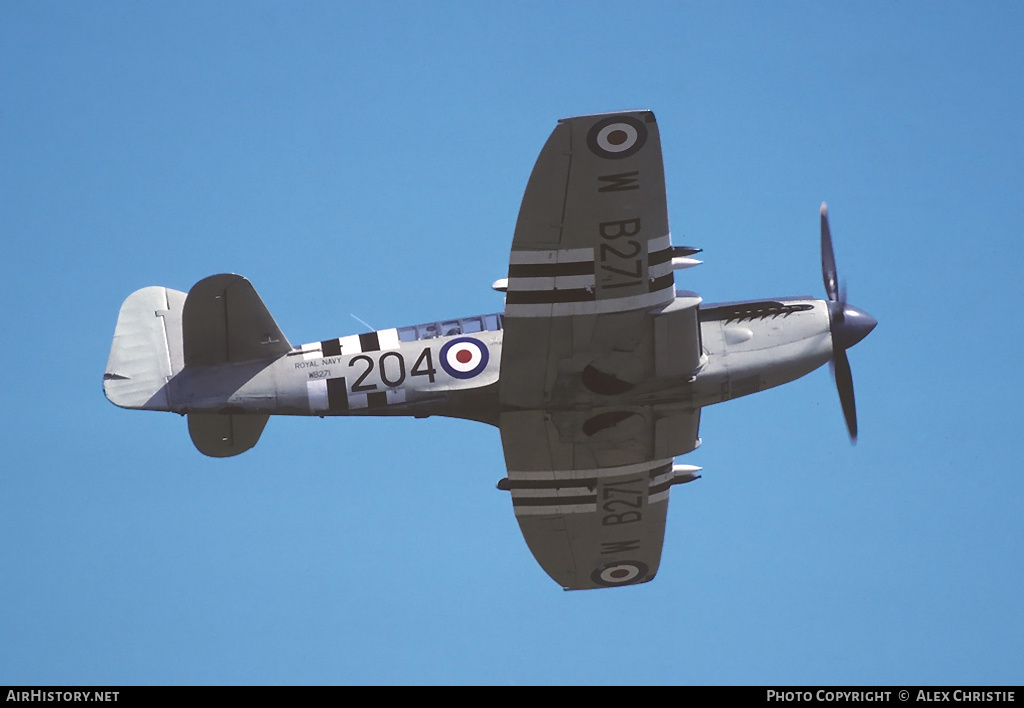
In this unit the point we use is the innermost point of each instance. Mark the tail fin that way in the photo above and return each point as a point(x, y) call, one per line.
point(147, 349)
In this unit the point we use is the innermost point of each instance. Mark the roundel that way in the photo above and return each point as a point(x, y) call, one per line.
point(616, 137)
point(464, 357)
point(621, 573)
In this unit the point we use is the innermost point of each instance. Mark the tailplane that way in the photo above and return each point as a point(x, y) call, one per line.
point(225, 322)
point(225, 435)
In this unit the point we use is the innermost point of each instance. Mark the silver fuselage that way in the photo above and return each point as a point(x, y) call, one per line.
point(746, 347)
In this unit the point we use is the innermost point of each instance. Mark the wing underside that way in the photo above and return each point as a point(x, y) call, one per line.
point(590, 490)
point(591, 322)
point(591, 258)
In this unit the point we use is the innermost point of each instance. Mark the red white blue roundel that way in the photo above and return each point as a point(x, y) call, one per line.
point(616, 137)
point(464, 357)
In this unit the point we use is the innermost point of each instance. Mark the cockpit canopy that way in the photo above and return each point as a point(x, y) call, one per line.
point(449, 328)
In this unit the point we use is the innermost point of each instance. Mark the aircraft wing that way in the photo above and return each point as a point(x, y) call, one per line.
point(592, 323)
point(591, 258)
point(590, 489)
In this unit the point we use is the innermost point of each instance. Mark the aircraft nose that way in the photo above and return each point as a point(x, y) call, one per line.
point(854, 325)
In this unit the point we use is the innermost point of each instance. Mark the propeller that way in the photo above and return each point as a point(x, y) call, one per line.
point(848, 325)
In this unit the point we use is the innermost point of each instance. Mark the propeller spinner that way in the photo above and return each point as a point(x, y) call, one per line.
point(848, 324)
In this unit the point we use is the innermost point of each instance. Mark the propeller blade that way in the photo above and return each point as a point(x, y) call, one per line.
point(844, 384)
point(847, 325)
point(828, 259)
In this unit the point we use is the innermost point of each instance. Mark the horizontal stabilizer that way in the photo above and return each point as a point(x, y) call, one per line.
point(222, 435)
point(225, 321)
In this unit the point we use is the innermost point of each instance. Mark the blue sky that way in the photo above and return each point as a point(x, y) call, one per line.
point(362, 159)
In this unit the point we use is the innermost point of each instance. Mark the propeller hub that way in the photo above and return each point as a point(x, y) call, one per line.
point(849, 324)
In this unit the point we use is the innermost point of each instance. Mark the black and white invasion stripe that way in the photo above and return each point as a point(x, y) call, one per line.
point(353, 344)
point(551, 283)
point(333, 396)
point(575, 491)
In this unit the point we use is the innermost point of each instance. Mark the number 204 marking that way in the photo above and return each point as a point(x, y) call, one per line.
point(392, 369)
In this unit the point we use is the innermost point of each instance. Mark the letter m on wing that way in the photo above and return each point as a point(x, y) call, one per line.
point(620, 182)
